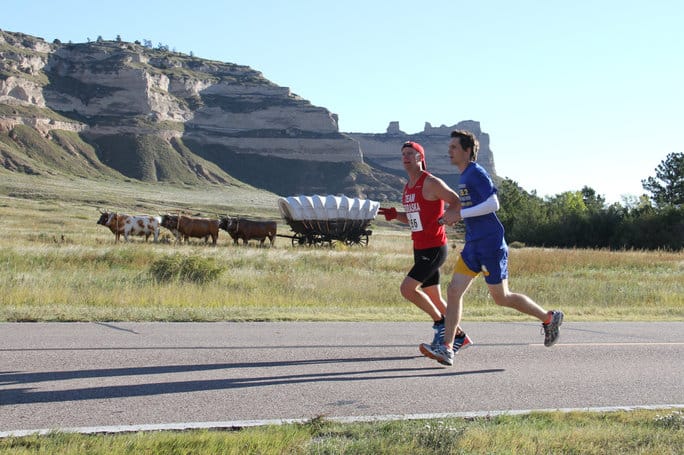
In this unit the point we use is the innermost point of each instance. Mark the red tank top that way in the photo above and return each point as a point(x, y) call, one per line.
point(423, 216)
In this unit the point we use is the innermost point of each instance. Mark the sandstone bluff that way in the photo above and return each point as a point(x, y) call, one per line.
point(123, 110)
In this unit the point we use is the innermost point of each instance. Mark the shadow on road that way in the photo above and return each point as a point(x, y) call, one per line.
point(28, 395)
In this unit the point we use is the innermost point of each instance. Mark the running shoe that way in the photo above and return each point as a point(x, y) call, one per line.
point(439, 329)
point(438, 339)
point(462, 342)
point(551, 329)
point(459, 343)
point(443, 354)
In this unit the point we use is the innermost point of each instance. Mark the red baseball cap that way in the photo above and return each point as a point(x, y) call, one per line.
point(418, 148)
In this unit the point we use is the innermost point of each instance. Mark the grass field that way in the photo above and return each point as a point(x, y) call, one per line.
point(56, 264)
point(653, 432)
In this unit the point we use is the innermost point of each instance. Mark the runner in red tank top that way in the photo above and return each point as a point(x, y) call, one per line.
point(423, 216)
point(423, 199)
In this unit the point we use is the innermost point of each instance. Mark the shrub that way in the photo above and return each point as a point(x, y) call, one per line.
point(674, 421)
point(194, 269)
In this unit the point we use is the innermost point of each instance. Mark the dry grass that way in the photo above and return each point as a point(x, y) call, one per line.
point(57, 264)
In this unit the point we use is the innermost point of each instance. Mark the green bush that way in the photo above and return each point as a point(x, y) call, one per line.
point(195, 269)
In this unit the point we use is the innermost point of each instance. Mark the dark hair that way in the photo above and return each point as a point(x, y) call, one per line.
point(467, 141)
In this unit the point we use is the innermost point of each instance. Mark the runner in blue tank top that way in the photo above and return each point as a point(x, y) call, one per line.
point(476, 187)
point(485, 250)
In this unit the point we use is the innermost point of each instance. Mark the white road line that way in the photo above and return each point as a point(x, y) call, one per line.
point(237, 424)
point(626, 343)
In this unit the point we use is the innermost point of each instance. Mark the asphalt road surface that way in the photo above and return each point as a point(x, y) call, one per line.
point(109, 376)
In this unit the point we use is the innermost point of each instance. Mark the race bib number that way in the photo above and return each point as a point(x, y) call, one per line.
point(414, 221)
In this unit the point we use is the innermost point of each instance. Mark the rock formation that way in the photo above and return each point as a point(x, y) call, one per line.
point(123, 109)
point(383, 151)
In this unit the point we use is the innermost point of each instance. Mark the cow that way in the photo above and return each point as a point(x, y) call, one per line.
point(241, 228)
point(120, 223)
point(184, 226)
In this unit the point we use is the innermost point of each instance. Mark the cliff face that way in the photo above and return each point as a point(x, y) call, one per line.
point(384, 150)
point(118, 109)
point(114, 87)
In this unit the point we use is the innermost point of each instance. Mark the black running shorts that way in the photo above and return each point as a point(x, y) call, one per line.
point(426, 265)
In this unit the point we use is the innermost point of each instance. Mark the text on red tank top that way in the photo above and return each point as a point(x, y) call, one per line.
point(422, 216)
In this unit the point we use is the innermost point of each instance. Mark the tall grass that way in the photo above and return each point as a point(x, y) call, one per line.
point(56, 264)
point(91, 278)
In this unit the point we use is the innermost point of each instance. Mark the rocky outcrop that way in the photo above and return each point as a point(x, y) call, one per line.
point(384, 150)
point(116, 94)
point(155, 115)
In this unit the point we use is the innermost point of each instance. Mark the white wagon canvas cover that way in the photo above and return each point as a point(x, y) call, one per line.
point(317, 218)
point(317, 207)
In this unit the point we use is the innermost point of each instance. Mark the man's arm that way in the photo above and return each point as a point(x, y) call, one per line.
point(434, 189)
point(491, 204)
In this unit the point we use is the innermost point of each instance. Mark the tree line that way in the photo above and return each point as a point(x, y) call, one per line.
point(582, 219)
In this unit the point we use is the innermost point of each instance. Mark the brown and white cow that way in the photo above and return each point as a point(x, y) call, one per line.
point(184, 226)
point(121, 223)
point(241, 228)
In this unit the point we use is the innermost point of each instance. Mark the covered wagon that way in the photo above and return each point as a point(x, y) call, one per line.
point(317, 219)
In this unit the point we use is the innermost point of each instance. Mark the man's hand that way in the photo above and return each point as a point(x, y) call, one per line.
point(452, 215)
point(389, 213)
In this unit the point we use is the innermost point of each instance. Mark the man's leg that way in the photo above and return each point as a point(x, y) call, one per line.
point(551, 320)
point(411, 291)
point(458, 286)
point(444, 353)
point(520, 302)
point(434, 293)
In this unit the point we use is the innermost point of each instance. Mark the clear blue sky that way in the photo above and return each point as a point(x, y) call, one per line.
point(572, 93)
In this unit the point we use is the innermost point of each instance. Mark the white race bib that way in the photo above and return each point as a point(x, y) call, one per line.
point(414, 221)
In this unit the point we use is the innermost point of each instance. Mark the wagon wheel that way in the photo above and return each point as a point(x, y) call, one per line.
point(361, 239)
point(319, 239)
point(298, 239)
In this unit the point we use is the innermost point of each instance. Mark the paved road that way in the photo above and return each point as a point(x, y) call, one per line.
point(64, 375)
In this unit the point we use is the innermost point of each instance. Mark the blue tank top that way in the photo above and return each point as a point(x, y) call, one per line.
point(474, 187)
